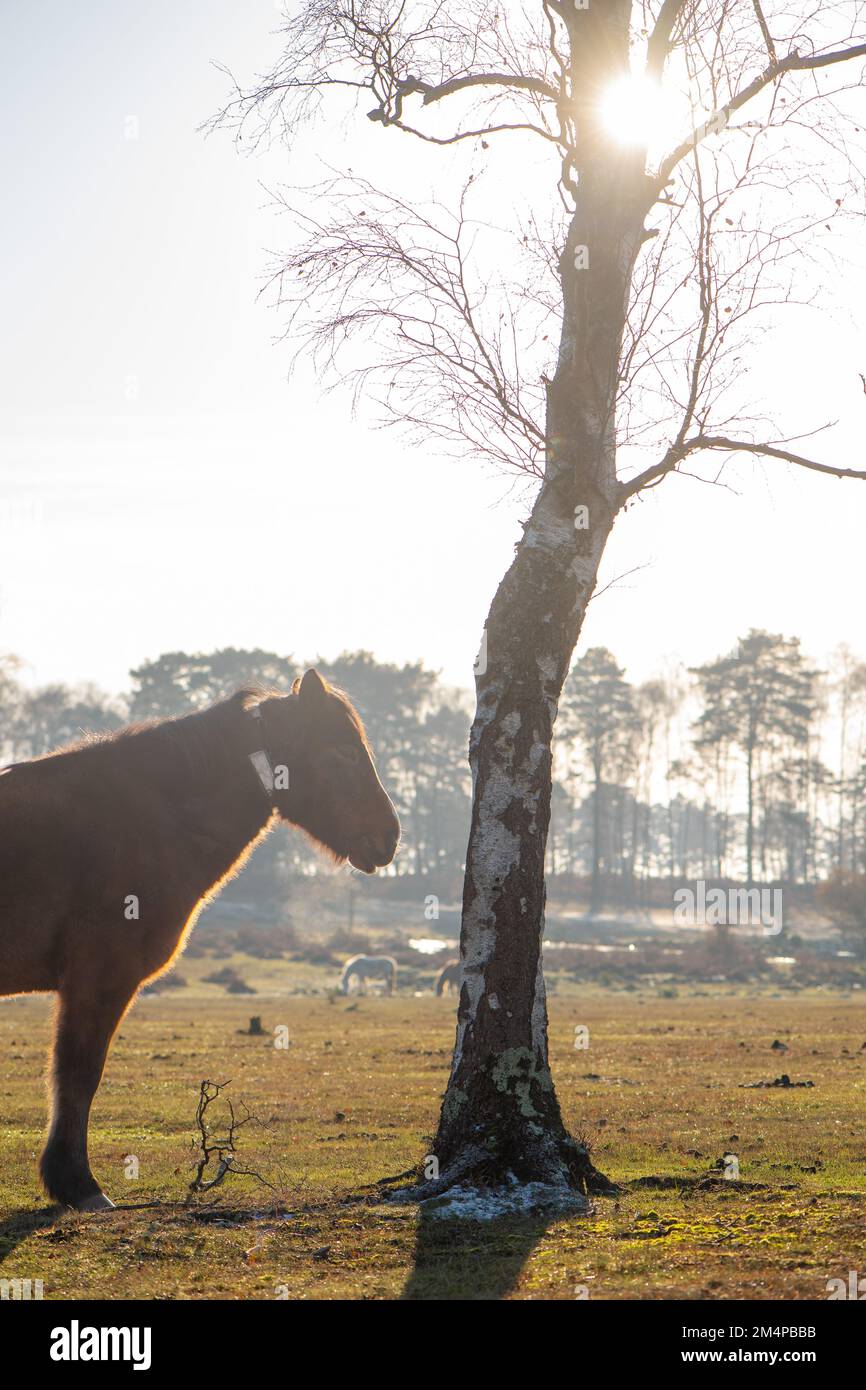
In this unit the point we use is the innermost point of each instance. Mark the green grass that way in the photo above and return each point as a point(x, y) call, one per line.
point(355, 1098)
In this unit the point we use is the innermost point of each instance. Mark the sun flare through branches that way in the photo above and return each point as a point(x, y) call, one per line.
point(635, 110)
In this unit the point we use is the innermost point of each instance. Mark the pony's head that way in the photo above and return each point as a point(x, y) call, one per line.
point(333, 792)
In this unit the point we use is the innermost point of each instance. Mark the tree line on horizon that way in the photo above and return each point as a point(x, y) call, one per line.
point(751, 767)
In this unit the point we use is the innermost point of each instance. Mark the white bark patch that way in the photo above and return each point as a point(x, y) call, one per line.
point(548, 668)
point(511, 725)
point(474, 985)
point(497, 849)
point(537, 755)
point(458, 1046)
point(493, 1001)
point(549, 533)
point(539, 1011)
point(584, 568)
point(486, 708)
point(567, 344)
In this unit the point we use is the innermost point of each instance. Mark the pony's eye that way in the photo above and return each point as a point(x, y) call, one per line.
point(347, 753)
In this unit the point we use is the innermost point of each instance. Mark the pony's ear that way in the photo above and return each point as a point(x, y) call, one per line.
point(311, 690)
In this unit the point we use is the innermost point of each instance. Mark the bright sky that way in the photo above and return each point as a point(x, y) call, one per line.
point(163, 486)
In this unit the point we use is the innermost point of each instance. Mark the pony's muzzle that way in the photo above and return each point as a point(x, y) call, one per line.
point(372, 852)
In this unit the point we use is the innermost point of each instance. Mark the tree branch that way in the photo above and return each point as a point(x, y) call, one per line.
point(719, 119)
point(772, 451)
point(765, 31)
point(484, 79)
point(699, 442)
point(460, 134)
point(660, 42)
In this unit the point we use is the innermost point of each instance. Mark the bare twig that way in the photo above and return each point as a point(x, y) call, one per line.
point(221, 1151)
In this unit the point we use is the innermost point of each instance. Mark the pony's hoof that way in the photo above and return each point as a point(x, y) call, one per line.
point(97, 1202)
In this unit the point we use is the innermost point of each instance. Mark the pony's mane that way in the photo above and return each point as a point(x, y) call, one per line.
point(207, 740)
point(204, 742)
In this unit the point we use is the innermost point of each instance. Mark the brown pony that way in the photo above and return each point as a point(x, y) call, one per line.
point(110, 848)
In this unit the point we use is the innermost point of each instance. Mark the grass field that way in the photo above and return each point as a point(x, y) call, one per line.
point(354, 1098)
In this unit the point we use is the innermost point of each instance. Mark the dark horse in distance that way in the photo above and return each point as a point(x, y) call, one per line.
point(110, 848)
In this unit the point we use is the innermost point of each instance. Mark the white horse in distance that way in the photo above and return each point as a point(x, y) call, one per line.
point(365, 968)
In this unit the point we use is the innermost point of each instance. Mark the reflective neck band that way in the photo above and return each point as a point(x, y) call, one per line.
point(260, 760)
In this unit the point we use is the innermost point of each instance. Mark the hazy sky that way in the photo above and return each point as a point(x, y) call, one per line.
point(163, 486)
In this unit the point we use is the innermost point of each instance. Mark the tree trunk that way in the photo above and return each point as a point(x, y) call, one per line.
point(595, 891)
point(501, 1108)
point(500, 1114)
point(843, 739)
point(750, 809)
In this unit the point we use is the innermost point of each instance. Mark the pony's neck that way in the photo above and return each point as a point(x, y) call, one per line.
point(224, 798)
point(274, 757)
point(261, 759)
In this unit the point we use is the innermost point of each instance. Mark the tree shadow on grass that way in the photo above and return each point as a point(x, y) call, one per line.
point(460, 1259)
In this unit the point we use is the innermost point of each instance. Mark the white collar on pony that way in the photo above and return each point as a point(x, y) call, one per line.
point(260, 759)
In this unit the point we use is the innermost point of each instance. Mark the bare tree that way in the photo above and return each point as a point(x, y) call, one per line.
point(849, 688)
point(452, 319)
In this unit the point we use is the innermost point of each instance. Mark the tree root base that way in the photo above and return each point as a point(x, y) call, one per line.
point(478, 1185)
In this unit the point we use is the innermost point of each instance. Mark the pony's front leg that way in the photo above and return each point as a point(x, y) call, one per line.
point(85, 1025)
